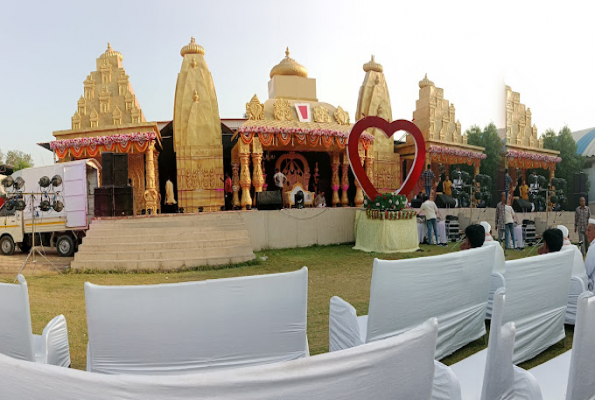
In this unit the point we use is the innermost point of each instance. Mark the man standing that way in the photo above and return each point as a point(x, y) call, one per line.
point(228, 191)
point(524, 191)
point(590, 259)
point(428, 180)
point(447, 186)
point(431, 212)
point(509, 219)
point(581, 218)
point(279, 179)
point(500, 208)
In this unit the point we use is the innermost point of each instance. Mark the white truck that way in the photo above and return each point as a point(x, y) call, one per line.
point(64, 229)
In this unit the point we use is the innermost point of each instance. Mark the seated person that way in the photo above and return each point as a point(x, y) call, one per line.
point(552, 241)
point(475, 237)
point(488, 230)
point(320, 200)
point(564, 231)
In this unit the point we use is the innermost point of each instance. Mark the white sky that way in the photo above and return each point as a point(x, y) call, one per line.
point(542, 49)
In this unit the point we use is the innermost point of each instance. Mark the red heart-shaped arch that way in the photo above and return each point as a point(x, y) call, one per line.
point(389, 128)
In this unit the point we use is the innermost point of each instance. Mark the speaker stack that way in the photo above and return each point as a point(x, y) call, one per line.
point(452, 228)
point(578, 188)
point(114, 197)
point(529, 232)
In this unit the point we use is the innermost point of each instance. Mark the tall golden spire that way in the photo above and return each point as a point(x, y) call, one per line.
point(111, 52)
point(192, 48)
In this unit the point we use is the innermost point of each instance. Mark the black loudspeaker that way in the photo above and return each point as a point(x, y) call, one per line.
point(445, 201)
point(416, 203)
point(520, 205)
point(123, 201)
point(104, 201)
point(577, 189)
point(120, 169)
point(107, 169)
point(272, 200)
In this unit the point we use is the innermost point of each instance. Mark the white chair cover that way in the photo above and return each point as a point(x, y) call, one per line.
point(497, 273)
point(578, 362)
point(16, 337)
point(397, 368)
point(184, 327)
point(536, 298)
point(501, 379)
point(578, 282)
point(518, 236)
point(404, 293)
point(422, 232)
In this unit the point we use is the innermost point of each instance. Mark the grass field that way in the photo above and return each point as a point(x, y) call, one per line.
point(333, 270)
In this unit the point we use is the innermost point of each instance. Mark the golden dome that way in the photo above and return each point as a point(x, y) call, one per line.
point(111, 52)
point(192, 48)
point(372, 66)
point(425, 82)
point(288, 66)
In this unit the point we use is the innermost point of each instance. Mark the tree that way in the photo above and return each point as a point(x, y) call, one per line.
point(19, 160)
point(1, 157)
point(572, 162)
point(490, 140)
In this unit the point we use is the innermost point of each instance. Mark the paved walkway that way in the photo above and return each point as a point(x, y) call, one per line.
point(12, 264)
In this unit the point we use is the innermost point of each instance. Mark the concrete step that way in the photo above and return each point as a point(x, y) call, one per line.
point(171, 264)
point(168, 219)
point(229, 251)
point(91, 246)
point(134, 237)
point(159, 231)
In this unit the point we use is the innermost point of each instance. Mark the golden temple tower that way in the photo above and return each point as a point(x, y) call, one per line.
point(197, 134)
point(383, 166)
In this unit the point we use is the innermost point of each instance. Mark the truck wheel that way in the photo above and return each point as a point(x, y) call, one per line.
point(7, 245)
point(65, 246)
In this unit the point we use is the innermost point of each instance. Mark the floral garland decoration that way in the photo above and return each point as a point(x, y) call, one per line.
point(456, 152)
point(533, 156)
point(388, 206)
point(93, 145)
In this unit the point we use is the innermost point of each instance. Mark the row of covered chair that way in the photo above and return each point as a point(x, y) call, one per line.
point(259, 322)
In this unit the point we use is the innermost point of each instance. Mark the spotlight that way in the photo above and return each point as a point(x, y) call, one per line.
point(19, 183)
point(20, 205)
point(10, 205)
point(7, 182)
point(44, 181)
point(44, 205)
point(56, 180)
point(58, 206)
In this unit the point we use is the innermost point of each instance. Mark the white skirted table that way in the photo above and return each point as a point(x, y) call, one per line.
point(385, 236)
point(422, 232)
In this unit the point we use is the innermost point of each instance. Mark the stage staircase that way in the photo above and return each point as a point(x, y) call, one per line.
point(165, 242)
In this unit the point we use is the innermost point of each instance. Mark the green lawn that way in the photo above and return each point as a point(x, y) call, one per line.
point(333, 270)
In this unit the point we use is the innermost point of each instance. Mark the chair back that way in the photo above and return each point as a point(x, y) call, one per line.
point(183, 327)
point(536, 299)
point(451, 287)
point(397, 368)
point(581, 380)
point(16, 337)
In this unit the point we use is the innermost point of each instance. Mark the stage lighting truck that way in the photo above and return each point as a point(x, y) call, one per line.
point(61, 198)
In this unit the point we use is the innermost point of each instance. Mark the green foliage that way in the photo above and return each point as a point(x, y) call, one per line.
point(564, 143)
point(386, 201)
point(489, 139)
point(19, 160)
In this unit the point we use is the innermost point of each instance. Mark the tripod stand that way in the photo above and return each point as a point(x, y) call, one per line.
point(34, 248)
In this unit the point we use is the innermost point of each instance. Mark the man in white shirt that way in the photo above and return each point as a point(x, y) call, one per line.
point(590, 260)
point(509, 218)
point(431, 212)
point(279, 179)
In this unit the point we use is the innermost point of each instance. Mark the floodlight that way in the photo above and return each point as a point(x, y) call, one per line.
point(44, 205)
point(7, 182)
point(56, 180)
point(20, 205)
point(44, 181)
point(19, 183)
point(58, 206)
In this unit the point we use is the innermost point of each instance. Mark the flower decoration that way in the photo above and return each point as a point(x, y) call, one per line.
point(388, 206)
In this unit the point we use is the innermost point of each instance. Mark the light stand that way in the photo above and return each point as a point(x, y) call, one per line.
point(34, 249)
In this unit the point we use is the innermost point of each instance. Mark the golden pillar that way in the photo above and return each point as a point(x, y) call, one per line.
point(151, 193)
point(245, 181)
point(359, 193)
point(345, 181)
point(335, 163)
point(476, 170)
point(552, 172)
point(369, 167)
point(235, 182)
point(257, 177)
